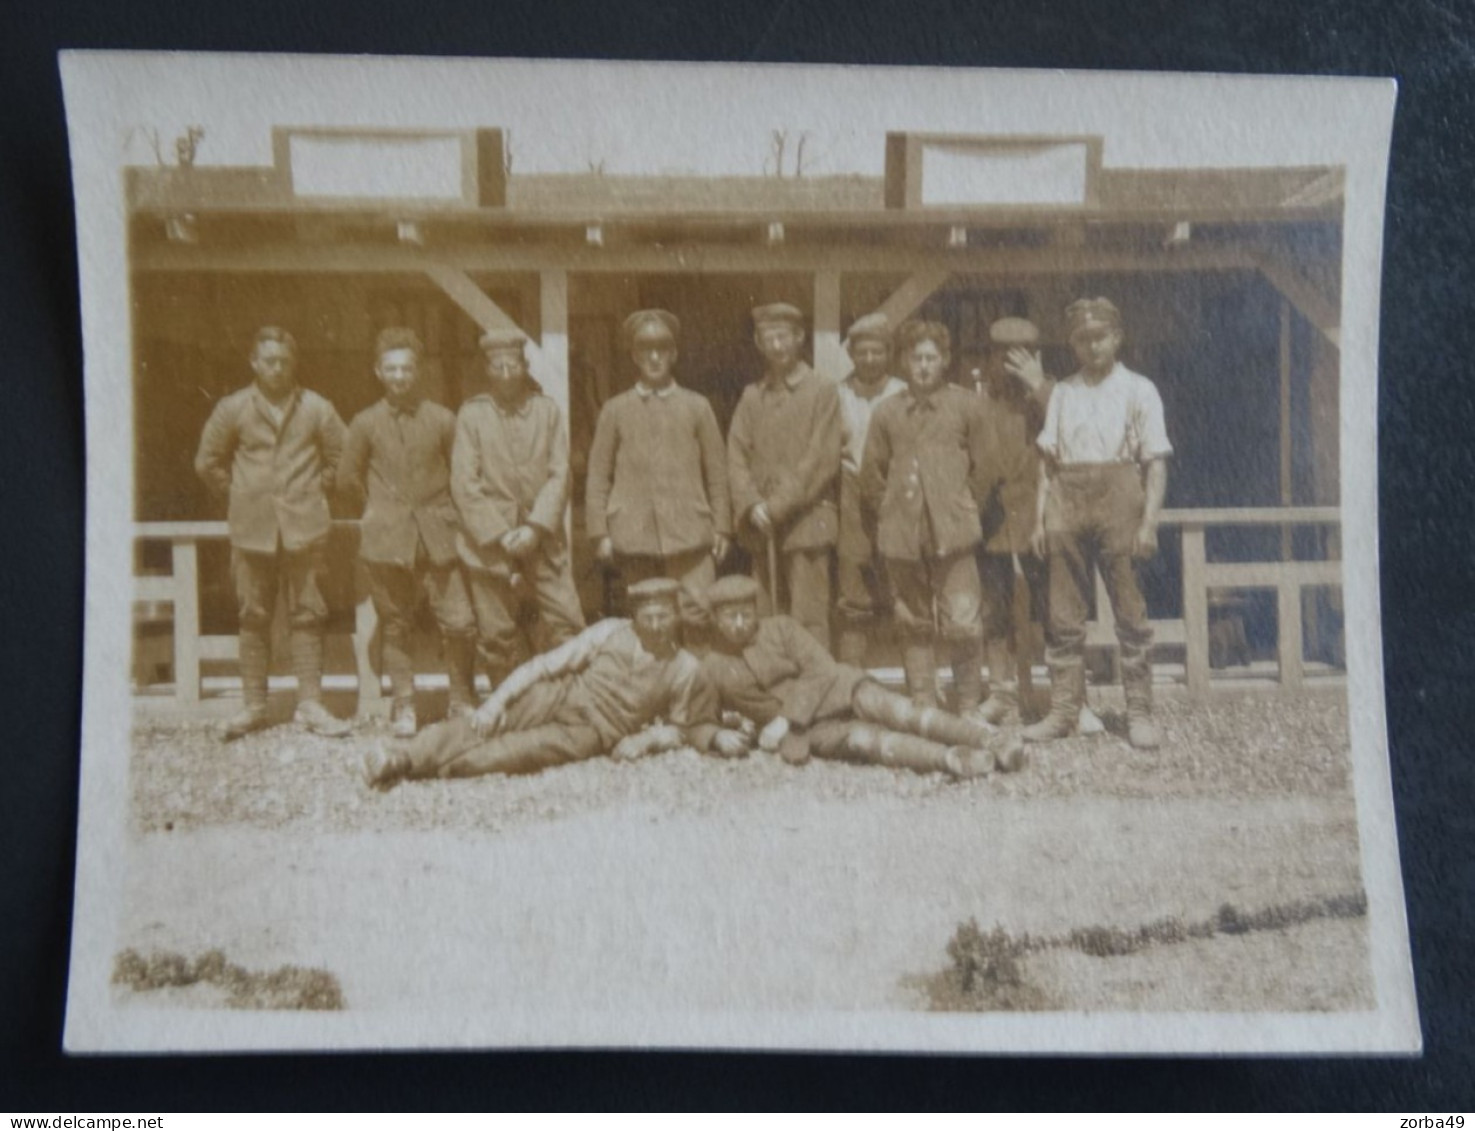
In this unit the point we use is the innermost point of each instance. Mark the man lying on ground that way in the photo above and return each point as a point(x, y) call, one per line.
point(773, 672)
point(592, 695)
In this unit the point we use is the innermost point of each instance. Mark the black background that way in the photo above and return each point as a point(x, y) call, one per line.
point(1426, 452)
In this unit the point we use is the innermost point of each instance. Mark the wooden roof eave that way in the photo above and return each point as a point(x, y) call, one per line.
point(458, 215)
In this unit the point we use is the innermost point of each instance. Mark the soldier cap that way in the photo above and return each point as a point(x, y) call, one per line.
point(502, 338)
point(1092, 314)
point(1014, 332)
point(875, 326)
point(778, 312)
point(651, 325)
point(733, 589)
point(652, 590)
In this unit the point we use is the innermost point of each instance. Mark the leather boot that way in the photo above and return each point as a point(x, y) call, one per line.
point(461, 675)
point(255, 662)
point(1142, 732)
point(1001, 708)
point(307, 664)
point(967, 678)
point(920, 665)
point(1067, 693)
point(852, 646)
point(397, 664)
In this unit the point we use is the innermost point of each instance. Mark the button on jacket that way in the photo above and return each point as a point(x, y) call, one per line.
point(784, 449)
point(657, 482)
point(400, 460)
point(925, 473)
point(784, 671)
point(509, 466)
point(277, 475)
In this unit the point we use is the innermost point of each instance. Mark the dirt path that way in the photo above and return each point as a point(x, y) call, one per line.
point(768, 898)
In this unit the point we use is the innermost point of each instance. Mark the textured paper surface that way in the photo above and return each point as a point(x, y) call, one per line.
point(702, 904)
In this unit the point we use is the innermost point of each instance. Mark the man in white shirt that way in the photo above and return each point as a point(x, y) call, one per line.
point(862, 586)
point(1102, 482)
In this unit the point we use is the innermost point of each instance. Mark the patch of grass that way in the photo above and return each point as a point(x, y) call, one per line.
point(988, 967)
point(286, 987)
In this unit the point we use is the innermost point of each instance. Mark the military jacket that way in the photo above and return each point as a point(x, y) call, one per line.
point(784, 449)
point(399, 460)
point(925, 474)
point(657, 481)
point(276, 473)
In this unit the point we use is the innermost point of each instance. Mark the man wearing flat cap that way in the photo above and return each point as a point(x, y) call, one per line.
point(1013, 392)
point(622, 687)
point(860, 579)
point(783, 458)
point(771, 672)
point(510, 481)
point(1101, 487)
point(656, 503)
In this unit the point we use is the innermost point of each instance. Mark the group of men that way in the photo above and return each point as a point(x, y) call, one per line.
point(925, 501)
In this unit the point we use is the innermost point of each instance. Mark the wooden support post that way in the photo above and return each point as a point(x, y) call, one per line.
point(1106, 624)
point(372, 703)
point(1321, 310)
point(553, 308)
point(186, 622)
point(909, 297)
point(461, 289)
point(1288, 632)
point(1287, 468)
point(829, 354)
point(1195, 611)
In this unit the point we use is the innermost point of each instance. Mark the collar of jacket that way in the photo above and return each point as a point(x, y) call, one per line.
point(645, 392)
point(519, 408)
point(796, 375)
point(408, 408)
point(289, 402)
point(916, 402)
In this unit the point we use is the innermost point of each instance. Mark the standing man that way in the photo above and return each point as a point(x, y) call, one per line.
point(510, 481)
point(1100, 492)
point(656, 504)
point(1014, 392)
point(398, 458)
point(925, 474)
point(783, 457)
point(862, 585)
point(272, 449)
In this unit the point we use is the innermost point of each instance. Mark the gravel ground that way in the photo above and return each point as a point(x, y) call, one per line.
point(183, 777)
point(701, 884)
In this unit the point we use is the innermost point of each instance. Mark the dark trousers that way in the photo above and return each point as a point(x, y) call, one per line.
point(257, 578)
point(1090, 521)
point(938, 597)
point(863, 592)
point(397, 592)
point(804, 588)
point(543, 727)
point(544, 585)
point(1000, 580)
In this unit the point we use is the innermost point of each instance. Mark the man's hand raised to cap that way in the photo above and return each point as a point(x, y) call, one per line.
point(1024, 365)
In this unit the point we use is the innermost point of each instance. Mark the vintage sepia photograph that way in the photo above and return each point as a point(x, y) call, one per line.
point(655, 555)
